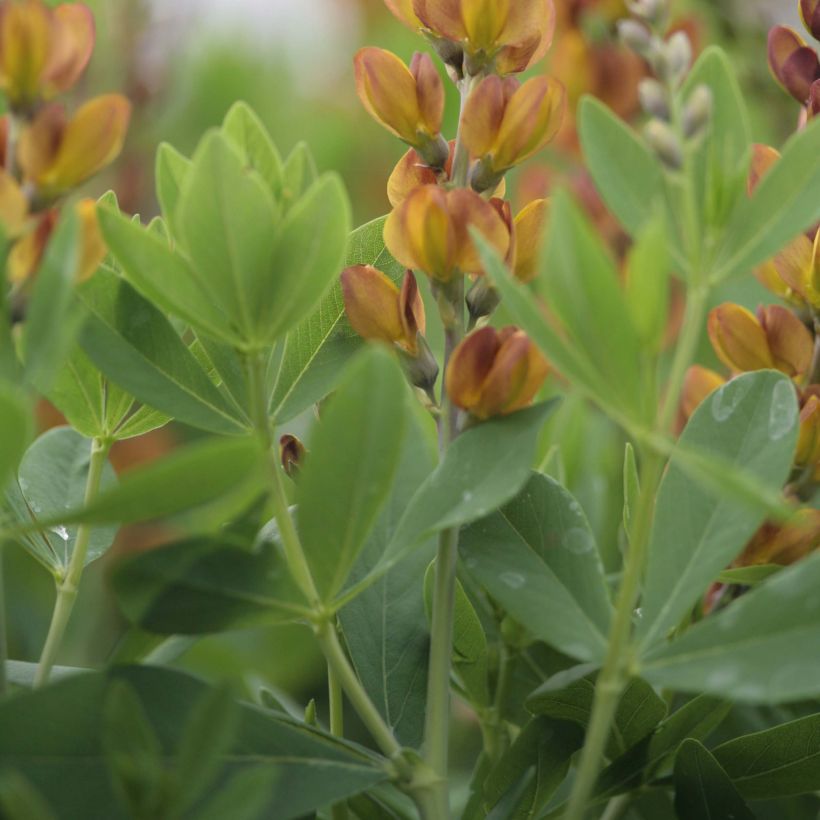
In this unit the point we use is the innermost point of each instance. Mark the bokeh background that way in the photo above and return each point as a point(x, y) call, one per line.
point(184, 62)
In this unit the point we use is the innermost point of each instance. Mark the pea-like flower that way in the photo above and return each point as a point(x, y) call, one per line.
point(377, 309)
point(810, 12)
point(56, 154)
point(774, 338)
point(513, 34)
point(529, 228)
point(409, 102)
point(43, 51)
point(429, 231)
point(699, 383)
point(808, 440)
point(794, 64)
point(505, 123)
point(495, 372)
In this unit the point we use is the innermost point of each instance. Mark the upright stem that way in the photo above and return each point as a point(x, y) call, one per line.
point(4, 649)
point(437, 716)
point(70, 584)
point(615, 671)
point(334, 691)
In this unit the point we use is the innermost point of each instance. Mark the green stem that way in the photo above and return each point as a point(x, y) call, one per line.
point(4, 648)
point(336, 704)
point(68, 587)
point(616, 807)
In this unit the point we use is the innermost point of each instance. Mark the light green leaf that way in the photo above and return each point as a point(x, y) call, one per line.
point(315, 350)
point(15, 429)
point(777, 762)
point(625, 171)
point(784, 204)
point(538, 558)
point(703, 790)
point(51, 478)
point(298, 174)
point(170, 172)
point(760, 649)
point(245, 130)
point(751, 422)
point(136, 347)
point(352, 458)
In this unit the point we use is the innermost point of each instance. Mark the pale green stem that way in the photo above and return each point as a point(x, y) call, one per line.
point(4, 648)
point(337, 727)
point(616, 807)
point(68, 587)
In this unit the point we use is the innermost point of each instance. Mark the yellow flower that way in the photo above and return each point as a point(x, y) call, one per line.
point(57, 154)
point(529, 227)
point(495, 372)
point(429, 231)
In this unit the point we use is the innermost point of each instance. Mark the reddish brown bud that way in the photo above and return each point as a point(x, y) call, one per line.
point(292, 454)
point(810, 12)
point(790, 343)
point(794, 65)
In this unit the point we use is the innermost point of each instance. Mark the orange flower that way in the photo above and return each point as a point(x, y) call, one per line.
point(377, 309)
point(409, 102)
point(403, 10)
point(505, 123)
point(808, 441)
point(699, 384)
point(529, 227)
point(495, 372)
point(513, 34)
point(429, 231)
point(57, 154)
point(43, 51)
point(774, 338)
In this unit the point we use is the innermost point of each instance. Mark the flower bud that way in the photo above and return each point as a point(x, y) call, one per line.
point(43, 51)
point(698, 385)
point(409, 102)
point(512, 35)
point(763, 158)
point(674, 58)
point(798, 265)
point(92, 245)
point(291, 453)
point(377, 309)
point(738, 338)
point(653, 11)
point(810, 12)
point(505, 123)
point(56, 154)
point(482, 299)
point(13, 206)
point(403, 11)
point(790, 342)
point(654, 99)
point(665, 143)
point(794, 65)
point(808, 440)
point(698, 111)
point(529, 227)
point(783, 544)
point(429, 231)
point(813, 109)
point(636, 37)
point(495, 372)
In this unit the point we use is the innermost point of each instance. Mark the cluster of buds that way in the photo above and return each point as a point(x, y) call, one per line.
point(674, 120)
point(796, 65)
point(45, 152)
point(441, 191)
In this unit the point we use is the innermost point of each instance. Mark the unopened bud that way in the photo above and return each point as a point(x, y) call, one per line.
point(483, 177)
point(697, 111)
point(482, 299)
point(636, 37)
point(654, 12)
point(654, 99)
point(665, 143)
point(292, 454)
point(674, 58)
point(421, 368)
point(434, 152)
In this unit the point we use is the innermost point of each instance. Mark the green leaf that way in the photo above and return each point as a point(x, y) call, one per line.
point(625, 171)
point(316, 349)
point(647, 284)
point(352, 457)
point(243, 797)
point(136, 347)
point(703, 791)
point(579, 280)
point(298, 174)
point(784, 204)
point(538, 558)
point(309, 250)
point(751, 422)
point(51, 320)
point(544, 743)
point(639, 710)
point(15, 429)
point(203, 585)
point(777, 762)
point(191, 477)
point(19, 801)
point(760, 649)
point(164, 276)
point(748, 576)
point(245, 130)
point(142, 421)
point(385, 627)
point(52, 736)
point(52, 476)
point(170, 172)
point(649, 756)
point(227, 220)
point(483, 468)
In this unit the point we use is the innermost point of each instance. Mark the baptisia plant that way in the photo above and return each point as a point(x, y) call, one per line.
point(390, 419)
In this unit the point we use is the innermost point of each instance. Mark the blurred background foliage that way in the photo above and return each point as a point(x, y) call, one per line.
point(184, 62)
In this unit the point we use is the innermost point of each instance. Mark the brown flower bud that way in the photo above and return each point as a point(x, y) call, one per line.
point(794, 65)
point(699, 384)
point(790, 343)
point(291, 453)
point(738, 339)
point(810, 12)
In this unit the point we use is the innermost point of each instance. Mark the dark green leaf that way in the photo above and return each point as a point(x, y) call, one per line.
point(15, 429)
point(751, 422)
point(19, 801)
point(538, 558)
point(703, 791)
